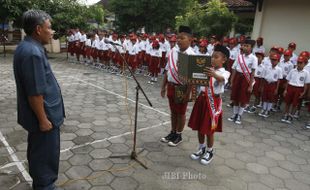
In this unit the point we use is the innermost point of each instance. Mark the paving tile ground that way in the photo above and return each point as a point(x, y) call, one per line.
point(259, 154)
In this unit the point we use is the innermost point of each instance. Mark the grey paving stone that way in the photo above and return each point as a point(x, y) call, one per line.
point(271, 181)
point(257, 168)
point(78, 172)
point(258, 186)
point(100, 164)
point(127, 183)
point(80, 159)
point(281, 173)
point(100, 153)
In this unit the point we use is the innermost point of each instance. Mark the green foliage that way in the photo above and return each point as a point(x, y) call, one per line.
point(244, 25)
point(207, 19)
point(65, 13)
point(154, 15)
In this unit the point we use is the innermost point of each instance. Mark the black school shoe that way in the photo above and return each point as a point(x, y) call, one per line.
point(176, 140)
point(169, 137)
point(207, 157)
point(198, 154)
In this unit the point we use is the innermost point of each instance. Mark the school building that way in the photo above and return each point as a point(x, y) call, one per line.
point(282, 21)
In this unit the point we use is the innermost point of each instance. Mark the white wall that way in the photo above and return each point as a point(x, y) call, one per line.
point(283, 21)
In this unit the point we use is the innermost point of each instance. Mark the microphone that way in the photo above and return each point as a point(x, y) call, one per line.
point(112, 43)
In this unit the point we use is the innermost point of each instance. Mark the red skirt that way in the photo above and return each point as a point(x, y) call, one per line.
point(239, 92)
point(268, 92)
point(141, 57)
point(200, 119)
point(88, 51)
point(174, 107)
point(154, 65)
point(293, 94)
point(94, 53)
point(163, 60)
point(256, 88)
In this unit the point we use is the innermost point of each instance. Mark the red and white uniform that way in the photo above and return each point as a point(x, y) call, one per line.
point(258, 76)
point(155, 61)
point(271, 77)
point(200, 118)
point(173, 80)
point(239, 92)
point(258, 49)
point(296, 82)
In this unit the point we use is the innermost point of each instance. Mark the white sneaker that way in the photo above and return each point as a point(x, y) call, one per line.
point(198, 154)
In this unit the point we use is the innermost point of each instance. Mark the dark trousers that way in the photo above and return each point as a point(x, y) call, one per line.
point(43, 157)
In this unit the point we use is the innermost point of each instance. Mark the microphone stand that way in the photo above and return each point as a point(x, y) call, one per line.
point(134, 154)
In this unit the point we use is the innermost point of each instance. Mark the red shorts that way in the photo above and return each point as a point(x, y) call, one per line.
point(200, 119)
point(292, 95)
point(282, 85)
point(132, 61)
point(239, 92)
point(256, 88)
point(268, 91)
point(154, 65)
point(174, 107)
point(141, 57)
point(94, 53)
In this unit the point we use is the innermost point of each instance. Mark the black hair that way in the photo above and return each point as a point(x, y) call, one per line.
point(33, 18)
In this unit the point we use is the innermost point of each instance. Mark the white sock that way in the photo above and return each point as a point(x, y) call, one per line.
point(265, 105)
point(236, 110)
point(155, 79)
point(201, 146)
point(241, 109)
point(269, 106)
point(210, 149)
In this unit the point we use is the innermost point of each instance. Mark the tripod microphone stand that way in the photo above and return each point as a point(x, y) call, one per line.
point(134, 154)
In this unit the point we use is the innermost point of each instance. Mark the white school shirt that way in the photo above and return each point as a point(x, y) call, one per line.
point(70, 38)
point(258, 49)
point(163, 47)
point(167, 44)
point(174, 68)
point(88, 42)
point(210, 49)
point(94, 43)
point(142, 45)
point(250, 61)
point(218, 87)
point(307, 67)
point(104, 45)
point(233, 53)
point(286, 67)
point(99, 44)
point(267, 62)
point(294, 59)
point(134, 50)
point(148, 48)
point(298, 78)
point(83, 38)
point(77, 36)
point(156, 52)
point(272, 74)
point(121, 49)
point(259, 71)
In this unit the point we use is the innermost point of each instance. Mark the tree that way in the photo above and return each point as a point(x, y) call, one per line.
point(207, 19)
point(154, 15)
point(66, 14)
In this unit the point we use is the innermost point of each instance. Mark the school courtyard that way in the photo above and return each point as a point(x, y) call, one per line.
point(260, 154)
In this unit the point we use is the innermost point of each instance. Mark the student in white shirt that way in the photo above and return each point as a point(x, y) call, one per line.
point(171, 83)
point(271, 81)
point(298, 81)
point(286, 65)
point(259, 46)
point(206, 116)
point(242, 79)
